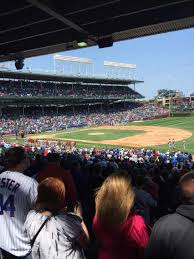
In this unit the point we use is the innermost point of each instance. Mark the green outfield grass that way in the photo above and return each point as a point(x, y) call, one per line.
point(186, 123)
point(106, 134)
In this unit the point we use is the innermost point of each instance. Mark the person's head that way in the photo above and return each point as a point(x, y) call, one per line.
point(17, 159)
point(114, 199)
point(186, 184)
point(53, 158)
point(51, 195)
point(140, 181)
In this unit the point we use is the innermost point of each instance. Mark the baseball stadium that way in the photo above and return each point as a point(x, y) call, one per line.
point(91, 111)
point(96, 129)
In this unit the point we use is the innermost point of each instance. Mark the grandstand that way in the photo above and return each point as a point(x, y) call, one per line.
point(28, 90)
point(192, 100)
point(44, 97)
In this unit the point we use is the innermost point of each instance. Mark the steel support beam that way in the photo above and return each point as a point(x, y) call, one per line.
point(57, 16)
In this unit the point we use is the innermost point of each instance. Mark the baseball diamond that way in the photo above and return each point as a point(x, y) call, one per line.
point(153, 133)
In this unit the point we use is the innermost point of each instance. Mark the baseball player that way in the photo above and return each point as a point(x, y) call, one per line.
point(169, 144)
point(184, 145)
point(173, 144)
point(17, 195)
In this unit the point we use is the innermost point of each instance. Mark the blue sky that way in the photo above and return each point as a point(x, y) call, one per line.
point(163, 61)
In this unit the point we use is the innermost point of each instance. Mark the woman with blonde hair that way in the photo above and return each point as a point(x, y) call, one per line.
point(53, 232)
point(119, 232)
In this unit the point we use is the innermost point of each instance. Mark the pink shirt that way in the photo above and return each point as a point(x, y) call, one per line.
point(125, 241)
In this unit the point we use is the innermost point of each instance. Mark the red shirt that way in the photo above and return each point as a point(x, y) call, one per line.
point(46, 152)
point(125, 241)
point(53, 170)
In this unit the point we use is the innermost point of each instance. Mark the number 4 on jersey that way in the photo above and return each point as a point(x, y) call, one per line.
point(8, 205)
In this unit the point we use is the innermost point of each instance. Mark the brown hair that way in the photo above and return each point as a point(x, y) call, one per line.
point(51, 195)
point(114, 199)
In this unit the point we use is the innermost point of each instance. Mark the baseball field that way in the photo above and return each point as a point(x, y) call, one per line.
point(155, 133)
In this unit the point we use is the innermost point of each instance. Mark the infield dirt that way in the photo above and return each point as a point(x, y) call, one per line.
point(154, 135)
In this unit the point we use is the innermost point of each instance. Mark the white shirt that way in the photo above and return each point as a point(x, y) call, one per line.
point(57, 239)
point(17, 194)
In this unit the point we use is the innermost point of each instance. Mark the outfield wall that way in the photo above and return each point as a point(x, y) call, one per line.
point(158, 117)
point(182, 114)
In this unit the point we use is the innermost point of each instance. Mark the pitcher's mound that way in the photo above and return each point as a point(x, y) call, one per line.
point(95, 133)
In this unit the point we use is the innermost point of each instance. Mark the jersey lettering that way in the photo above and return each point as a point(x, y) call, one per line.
point(8, 205)
point(11, 185)
point(15, 187)
point(8, 180)
point(3, 182)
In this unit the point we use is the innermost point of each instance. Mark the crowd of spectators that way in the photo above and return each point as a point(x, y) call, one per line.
point(95, 203)
point(51, 89)
point(184, 107)
point(37, 123)
point(165, 93)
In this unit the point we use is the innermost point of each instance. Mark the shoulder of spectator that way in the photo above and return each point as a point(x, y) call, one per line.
point(138, 232)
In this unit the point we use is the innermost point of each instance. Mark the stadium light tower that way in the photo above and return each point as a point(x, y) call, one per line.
point(79, 62)
point(116, 67)
point(169, 104)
